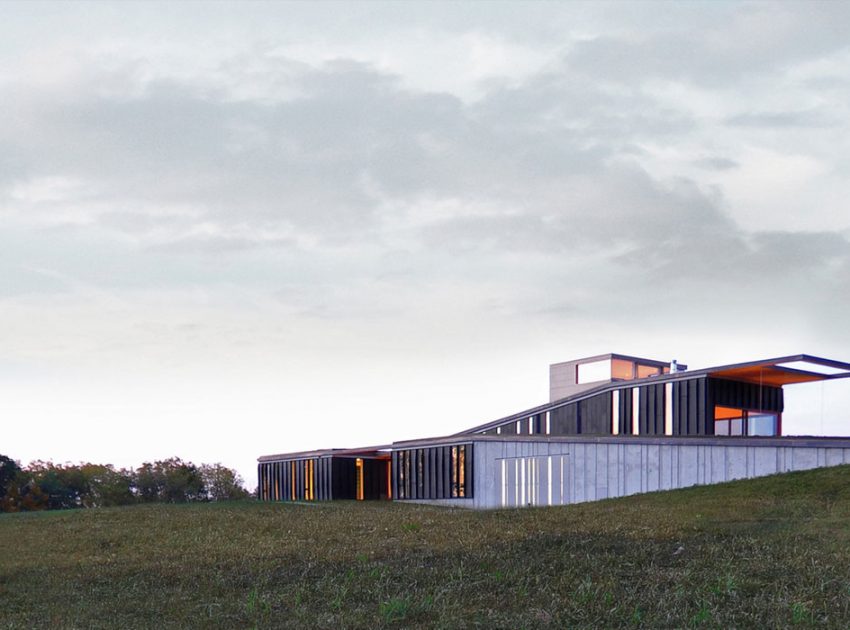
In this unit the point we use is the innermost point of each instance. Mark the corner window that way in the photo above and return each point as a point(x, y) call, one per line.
point(729, 421)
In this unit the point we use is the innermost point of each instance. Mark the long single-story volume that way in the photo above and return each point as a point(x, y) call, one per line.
point(614, 425)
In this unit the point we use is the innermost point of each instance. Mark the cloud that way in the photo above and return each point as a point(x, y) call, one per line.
point(716, 163)
point(715, 46)
point(347, 158)
point(296, 194)
point(781, 119)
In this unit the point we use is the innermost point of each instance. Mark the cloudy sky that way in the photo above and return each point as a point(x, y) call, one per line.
point(234, 229)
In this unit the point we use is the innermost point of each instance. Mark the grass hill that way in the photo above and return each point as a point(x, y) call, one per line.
point(771, 552)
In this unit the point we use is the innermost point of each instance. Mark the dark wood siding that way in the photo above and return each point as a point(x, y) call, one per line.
point(693, 409)
point(690, 408)
point(344, 472)
point(564, 420)
point(594, 415)
point(741, 395)
point(651, 412)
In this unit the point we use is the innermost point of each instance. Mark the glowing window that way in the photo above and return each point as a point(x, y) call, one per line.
point(729, 421)
point(358, 464)
point(644, 371)
point(622, 369)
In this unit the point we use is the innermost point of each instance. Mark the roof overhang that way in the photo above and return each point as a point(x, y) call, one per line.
point(801, 368)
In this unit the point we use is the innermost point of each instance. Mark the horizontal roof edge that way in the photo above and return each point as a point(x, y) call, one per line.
point(326, 452)
point(709, 440)
point(446, 440)
point(617, 355)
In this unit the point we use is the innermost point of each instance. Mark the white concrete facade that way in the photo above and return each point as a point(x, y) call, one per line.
point(514, 472)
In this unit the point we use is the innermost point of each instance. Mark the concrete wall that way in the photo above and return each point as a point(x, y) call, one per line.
point(562, 379)
point(557, 471)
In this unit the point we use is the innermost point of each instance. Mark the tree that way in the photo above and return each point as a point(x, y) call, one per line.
point(149, 482)
point(107, 486)
point(65, 486)
point(170, 481)
point(9, 469)
point(222, 483)
point(26, 497)
point(45, 485)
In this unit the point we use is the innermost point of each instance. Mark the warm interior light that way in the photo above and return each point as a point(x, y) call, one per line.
point(358, 464)
point(725, 413)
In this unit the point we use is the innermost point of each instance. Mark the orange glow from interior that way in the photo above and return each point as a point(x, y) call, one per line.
point(359, 468)
point(767, 375)
point(622, 369)
point(643, 371)
point(727, 413)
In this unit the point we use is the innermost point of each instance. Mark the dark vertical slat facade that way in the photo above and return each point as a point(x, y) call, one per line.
point(750, 396)
point(652, 409)
point(594, 415)
point(691, 408)
point(693, 402)
point(436, 472)
point(394, 460)
point(326, 478)
point(446, 455)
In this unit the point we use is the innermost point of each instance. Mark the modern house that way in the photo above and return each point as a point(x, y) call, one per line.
point(614, 425)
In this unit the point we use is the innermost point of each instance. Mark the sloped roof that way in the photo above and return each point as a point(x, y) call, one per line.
point(797, 368)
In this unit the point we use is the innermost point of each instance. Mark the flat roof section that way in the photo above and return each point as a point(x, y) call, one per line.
point(624, 357)
point(365, 451)
point(801, 368)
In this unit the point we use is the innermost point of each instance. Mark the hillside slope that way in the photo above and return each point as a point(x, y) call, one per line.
point(771, 552)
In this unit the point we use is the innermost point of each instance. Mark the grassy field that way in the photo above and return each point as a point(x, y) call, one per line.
point(773, 552)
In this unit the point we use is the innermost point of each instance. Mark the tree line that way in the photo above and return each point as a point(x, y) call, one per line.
point(49, 486)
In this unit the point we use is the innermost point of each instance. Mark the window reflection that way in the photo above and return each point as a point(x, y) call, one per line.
point(729, 421)
point(622, 370)
point(644, 371)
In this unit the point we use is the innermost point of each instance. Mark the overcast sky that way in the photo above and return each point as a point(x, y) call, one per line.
point(228, 230)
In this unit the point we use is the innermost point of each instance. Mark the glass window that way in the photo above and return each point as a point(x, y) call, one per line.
point(732, 421)
point(644, 371)
point(358, 490)
point(761, 424)
point(593, 372)
point(461, 472)
point(622, 370)
point(454, 471)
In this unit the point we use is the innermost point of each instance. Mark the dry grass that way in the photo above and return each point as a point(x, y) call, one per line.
point(773, 552)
